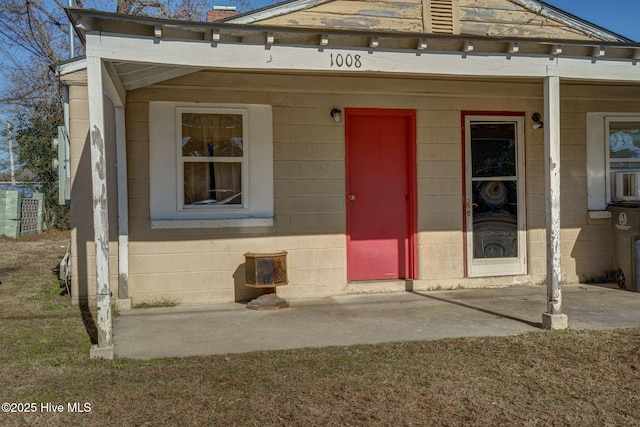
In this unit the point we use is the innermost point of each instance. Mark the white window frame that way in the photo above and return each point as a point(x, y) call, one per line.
point(609, 174)
point(244, 160)
point(166, 168)
point(598, 165)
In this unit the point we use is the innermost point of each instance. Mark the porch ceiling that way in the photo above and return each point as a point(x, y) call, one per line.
point(137, 75)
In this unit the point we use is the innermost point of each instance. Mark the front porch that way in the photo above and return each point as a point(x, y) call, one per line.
point(365, 319)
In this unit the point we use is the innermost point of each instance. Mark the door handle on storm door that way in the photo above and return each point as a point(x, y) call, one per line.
point(470, 207)
point(352, 197)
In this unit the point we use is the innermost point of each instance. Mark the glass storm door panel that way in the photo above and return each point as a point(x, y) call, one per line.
point(494, 212)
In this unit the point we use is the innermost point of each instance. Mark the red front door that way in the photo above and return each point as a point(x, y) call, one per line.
point(380, 193)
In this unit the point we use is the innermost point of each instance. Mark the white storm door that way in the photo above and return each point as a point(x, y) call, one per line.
point(494, 187)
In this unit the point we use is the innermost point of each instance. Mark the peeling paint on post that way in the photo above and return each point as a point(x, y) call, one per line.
point(553, 318)
point(100, 208)
point(554, 270)
point(101, 230)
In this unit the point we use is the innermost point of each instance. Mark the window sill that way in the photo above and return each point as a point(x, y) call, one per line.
point(211, 223)
point(599, 217)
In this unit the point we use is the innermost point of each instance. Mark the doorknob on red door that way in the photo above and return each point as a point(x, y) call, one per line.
point(352, 197)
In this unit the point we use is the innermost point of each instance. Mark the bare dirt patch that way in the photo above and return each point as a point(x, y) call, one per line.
point(539, 379)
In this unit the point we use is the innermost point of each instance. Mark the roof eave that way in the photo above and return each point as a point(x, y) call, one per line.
point(272, 11)
point(86, 21)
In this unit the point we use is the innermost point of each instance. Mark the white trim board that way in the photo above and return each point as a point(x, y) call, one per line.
point(201, 54)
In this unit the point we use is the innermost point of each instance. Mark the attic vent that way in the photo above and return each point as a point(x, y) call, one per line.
point(441, 16)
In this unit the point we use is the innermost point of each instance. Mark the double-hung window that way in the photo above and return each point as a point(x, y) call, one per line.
point(623, 155)
point(613, 150)
point(210, 165)
point(212, 158)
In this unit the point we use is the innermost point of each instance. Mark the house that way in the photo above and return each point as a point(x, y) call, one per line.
point(413, 144)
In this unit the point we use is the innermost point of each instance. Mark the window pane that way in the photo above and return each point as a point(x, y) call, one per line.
point(624, 140)
point(493, 149)
point(212, 183)
point(495, 219)
point(211, 135)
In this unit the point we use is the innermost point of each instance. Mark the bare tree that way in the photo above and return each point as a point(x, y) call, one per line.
point(179, 9)
point(192, 10)
point(31, 39)
point(34, 38)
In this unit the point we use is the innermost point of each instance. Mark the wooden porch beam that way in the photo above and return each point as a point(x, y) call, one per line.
point(312, 59)
point(113, 85)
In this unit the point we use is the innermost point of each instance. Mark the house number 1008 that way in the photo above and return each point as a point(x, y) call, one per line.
point(348, 60)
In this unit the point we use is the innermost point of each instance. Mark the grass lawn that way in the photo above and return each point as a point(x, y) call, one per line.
point(540, 379)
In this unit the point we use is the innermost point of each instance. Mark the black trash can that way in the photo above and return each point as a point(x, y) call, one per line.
point(625, 225)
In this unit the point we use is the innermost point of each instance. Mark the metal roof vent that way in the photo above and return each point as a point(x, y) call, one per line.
point(441, 16)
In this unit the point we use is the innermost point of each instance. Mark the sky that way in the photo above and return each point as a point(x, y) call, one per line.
point(619, 16)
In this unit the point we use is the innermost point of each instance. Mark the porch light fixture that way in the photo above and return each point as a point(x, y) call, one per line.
point(537, 121)
point(337, 115)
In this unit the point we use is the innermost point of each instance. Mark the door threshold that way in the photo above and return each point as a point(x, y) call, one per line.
point(379, 286)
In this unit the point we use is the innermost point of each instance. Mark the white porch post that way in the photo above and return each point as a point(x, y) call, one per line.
point(553, 318)
point(123, 302)
point(118, 96)
point(104, 349)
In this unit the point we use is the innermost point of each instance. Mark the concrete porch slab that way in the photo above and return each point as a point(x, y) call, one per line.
point(365, 319)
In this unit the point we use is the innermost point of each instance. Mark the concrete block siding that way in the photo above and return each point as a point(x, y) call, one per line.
point(206, 265)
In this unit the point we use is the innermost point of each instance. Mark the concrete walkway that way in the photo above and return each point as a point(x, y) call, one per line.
point(365, 319)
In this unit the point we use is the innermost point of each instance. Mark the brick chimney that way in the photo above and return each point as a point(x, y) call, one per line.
point(221, 12)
